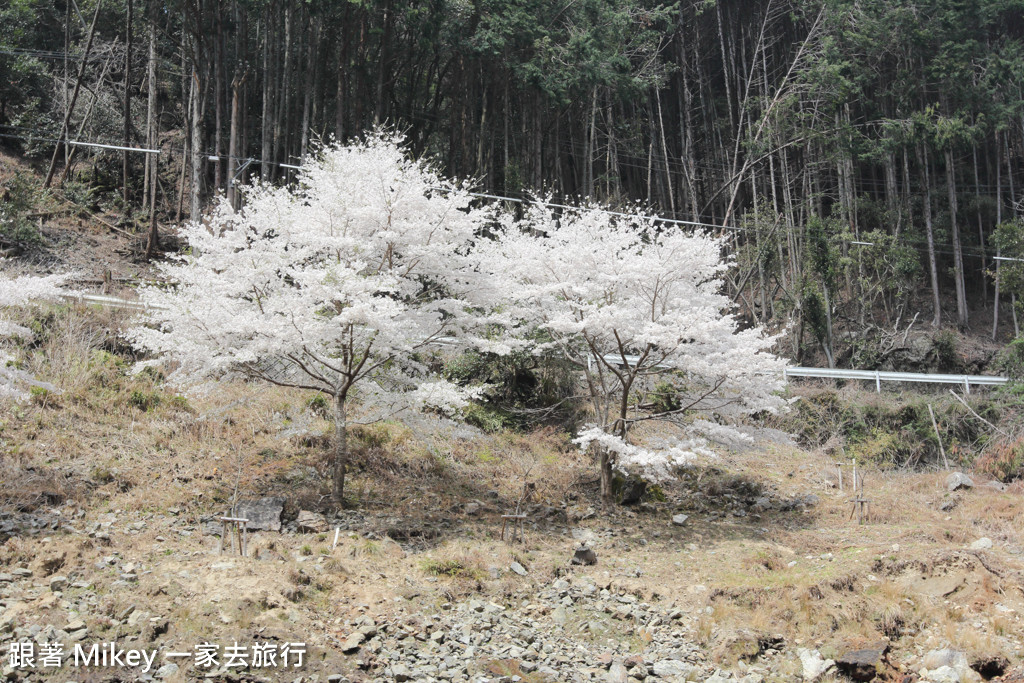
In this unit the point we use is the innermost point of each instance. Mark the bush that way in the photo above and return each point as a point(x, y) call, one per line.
point(523, 391)
point(144, 400)
point(16, 200)
point(1010, 361)
point(1003, 460)
point(887, 430)
point(944, 344)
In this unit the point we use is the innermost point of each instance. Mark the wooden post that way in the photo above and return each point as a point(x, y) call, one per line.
point(935, 426)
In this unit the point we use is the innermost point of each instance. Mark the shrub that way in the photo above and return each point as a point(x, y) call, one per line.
point(944, 343)
point(1010, 361)
point(1003, 459)
point(16, 199)
point(144, 400)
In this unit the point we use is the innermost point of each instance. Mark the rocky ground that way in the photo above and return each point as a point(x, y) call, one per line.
point(698, 587)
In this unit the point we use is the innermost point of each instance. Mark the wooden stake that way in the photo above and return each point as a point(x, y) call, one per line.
point(935, 426)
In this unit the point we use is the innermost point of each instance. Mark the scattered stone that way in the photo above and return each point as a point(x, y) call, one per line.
point(983, 543)
point(264, 514)
point(632, 491)
point(995, 485)
point(74, 625)
point(352, 643)
point(21, 573)
point(865, 663)
point(518, 568)
point(58, 583)
point(167, 670)
point(617, 673)
point(311, 521)
point(680, 519)
point(948, 664)
point(944, 674)
point(958, 480)
point(814, 666)
point(669, 668)
point(472, 509)
point(584, 555)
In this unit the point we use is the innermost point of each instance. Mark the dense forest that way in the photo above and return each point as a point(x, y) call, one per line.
point(866, 157)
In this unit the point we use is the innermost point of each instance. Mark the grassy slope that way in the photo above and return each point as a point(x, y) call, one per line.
point(146, 466)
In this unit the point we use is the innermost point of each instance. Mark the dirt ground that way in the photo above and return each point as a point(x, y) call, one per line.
point(114, 496)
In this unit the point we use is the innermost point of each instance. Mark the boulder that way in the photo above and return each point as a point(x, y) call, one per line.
point(617, 673)
point(584, 555)
point(958, 480)
point(814, 666)
point(311, 521)
point(865, 663)
point(632, 491)
point(672, 668)
point(680, 519)
point(264, 514)
point(352, 643)
point(948, 664)
point(983, 543)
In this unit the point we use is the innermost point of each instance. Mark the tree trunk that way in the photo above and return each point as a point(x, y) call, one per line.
point(74, 98)
point(607, 494)
point(927, 207)
point(151, 142)
point(999, 220)
point(340, 449)
point(197, 143)
point(958, 256)
point(127, 101)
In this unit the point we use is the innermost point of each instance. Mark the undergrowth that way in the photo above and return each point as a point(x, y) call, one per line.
point(891, 429)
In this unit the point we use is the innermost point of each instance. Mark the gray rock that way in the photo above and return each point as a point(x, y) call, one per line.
point(948, 664)
point(983, 543)
point(167, 670)
point(863, 664)
point(943, 674)
point(352, 643)
point(584, 555)
point(518, 568)
point(669, 668)
point(617, 673)
point(814, 666)
point(680, 519)
point(58, 583)
point(632, 491)
point(311, 521)
point(958, 480)
point(401, 672)
point(264, 514)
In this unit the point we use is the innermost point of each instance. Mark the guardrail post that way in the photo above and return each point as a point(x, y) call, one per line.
point(878, 382)
point(967, 385)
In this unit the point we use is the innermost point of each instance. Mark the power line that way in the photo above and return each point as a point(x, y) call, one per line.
point(482, 195)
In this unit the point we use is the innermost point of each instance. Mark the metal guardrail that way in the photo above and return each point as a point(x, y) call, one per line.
point(110, 301)
point(878, 376)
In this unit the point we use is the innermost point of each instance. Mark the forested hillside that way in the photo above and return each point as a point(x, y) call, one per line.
point(863, 154)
